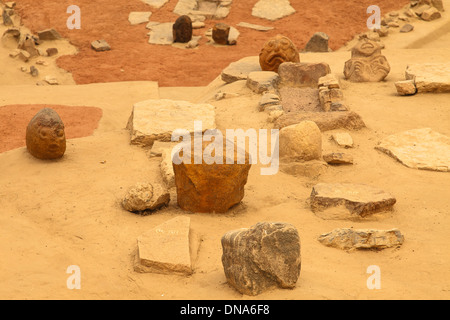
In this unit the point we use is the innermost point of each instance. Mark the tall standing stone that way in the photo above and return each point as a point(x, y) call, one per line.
point(318, 43)
point(182, 29)
point(220, 33)
point(265, 256)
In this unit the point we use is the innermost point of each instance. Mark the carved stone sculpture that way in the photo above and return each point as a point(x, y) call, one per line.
point(276, 51)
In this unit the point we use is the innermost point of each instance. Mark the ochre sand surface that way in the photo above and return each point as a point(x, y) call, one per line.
point(134, 59)
point(67, 212)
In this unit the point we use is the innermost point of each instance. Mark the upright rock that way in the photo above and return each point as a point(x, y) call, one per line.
point(220, 33)
point(367, 64)
point(276, 51)
point(182, 29)
point(45, 135)
point(210, 185)
point(318, 43)
point(265, 256)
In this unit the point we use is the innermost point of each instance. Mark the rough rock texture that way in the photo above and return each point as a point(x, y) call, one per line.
point(167, 168)
point(214, 187)
point(27, 43)
point(349, 239)
point(300, 142)
point(406, 88)
point(360, 200)
point(265, 256)
point(45, 136)
point(182, 29)
point(160, 33)
point(318, 43)
point(261, 81)
point(157, 119)
point(277, 50)
point(429, 77)
point(338, 158)
point(272, 9)
point(367, 64)
point(430, 14)
point(302, 74)
point(329, 81)
point(300, 99)
point(325, 120)
point(328, 97)
point(240, 69)
point(220, 33)
point(145, 198)
point(166, 248)
point(419, 149)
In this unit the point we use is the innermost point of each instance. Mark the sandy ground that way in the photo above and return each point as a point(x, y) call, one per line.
point(67, 212)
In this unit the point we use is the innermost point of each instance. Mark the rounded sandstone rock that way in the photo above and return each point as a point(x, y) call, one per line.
point(301, 142)
point(45, 136)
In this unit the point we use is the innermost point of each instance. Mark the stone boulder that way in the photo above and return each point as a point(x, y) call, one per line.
point(318, 43)
point(261, 81)
point(300, 142)
point(265, 256)
point(350, 239)
point(240, 69)
point(210, 185)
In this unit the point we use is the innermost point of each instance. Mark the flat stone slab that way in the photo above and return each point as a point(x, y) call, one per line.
point(272, 9)
point(240, 69)
point(136, 18)
point(429, 77)
point(343, 139)
point(325, 120)
point(357, 199)
point(422, 149)
point(153, 120)
point(256, 27)
point(157, 4)
point(160, 33)
point(350, 239)
point(166, 248)
point(338, 158)
point(261, 81)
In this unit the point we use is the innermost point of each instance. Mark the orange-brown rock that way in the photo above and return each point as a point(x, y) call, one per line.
point(209, 184)
point(182, 29)
point(220, 33)
point(276, 51)
point(45, 136)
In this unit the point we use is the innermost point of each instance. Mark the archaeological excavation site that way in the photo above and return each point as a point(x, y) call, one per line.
point(224, 150)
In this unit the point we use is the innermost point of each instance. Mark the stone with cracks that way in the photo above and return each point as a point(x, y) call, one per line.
point(350, 239)
point(272, 9)
point(298, 74)
point(144, 198)
point(423, 149)
point(261, 81)
point(358, 200)
point(261, 258)
point(167, 248)
point(240, 69)
point(429, 77)
point(153, 120)
point(325, 120)
point(318, 43)
point(210, 186)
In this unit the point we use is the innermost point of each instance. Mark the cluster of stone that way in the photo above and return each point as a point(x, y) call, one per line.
point(422, 78)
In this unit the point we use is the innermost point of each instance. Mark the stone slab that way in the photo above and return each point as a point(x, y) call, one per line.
point(240, 69)
point(272, 9)
point(422, 149)
point(430, 77)
point(153, 120)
